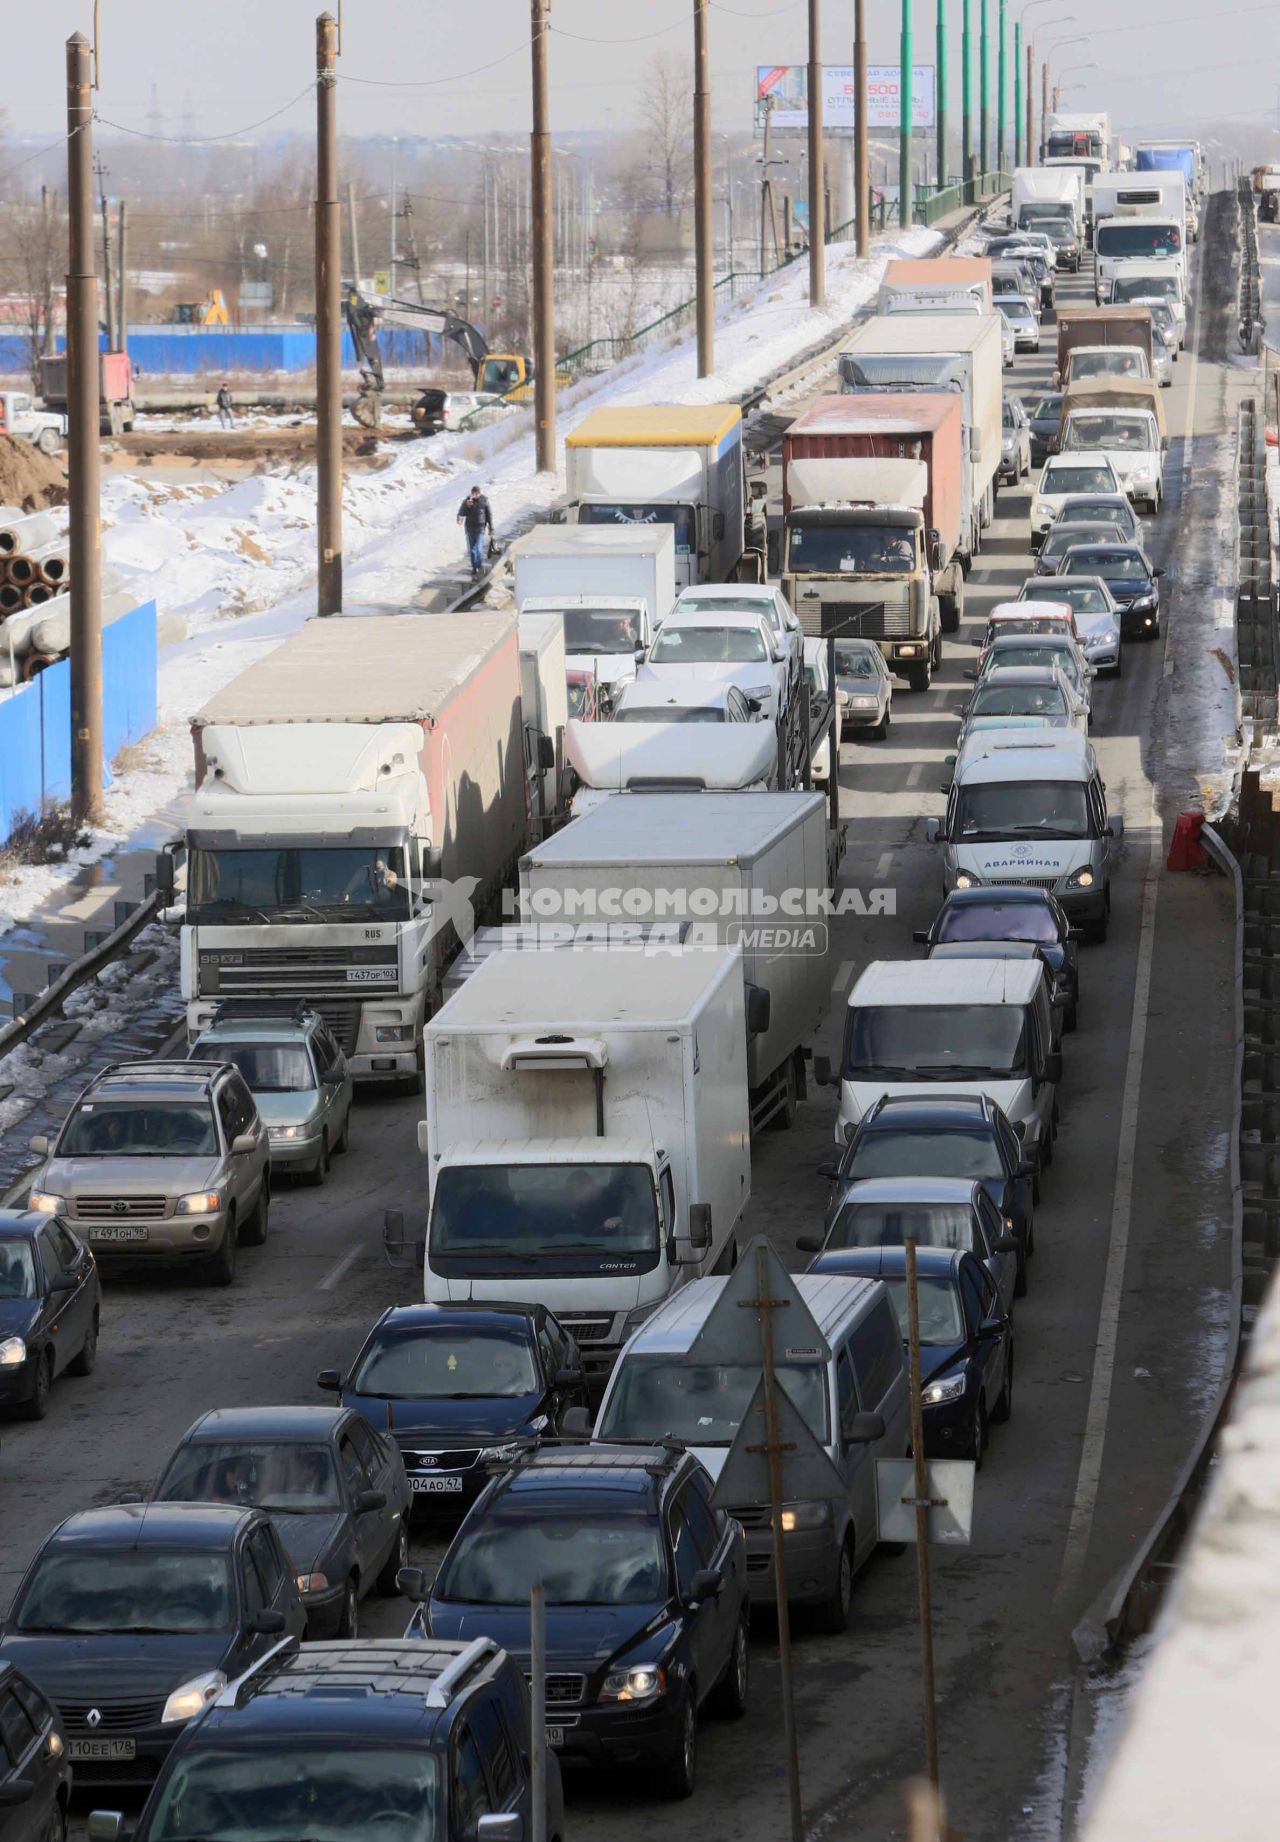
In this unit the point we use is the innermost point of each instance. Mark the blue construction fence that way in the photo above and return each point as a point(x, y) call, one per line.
point(216, 351)
point(35, 722)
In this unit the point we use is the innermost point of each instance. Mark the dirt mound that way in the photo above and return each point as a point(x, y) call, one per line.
point(28, 478)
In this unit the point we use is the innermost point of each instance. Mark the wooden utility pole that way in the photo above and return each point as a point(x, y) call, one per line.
point(353, 230)
point(1044, 102)
point(544, 301)
point(122, 286)
point(83, 455)
point(817, 165)
point(328, 325)
point(702, 229)
point(861, 175)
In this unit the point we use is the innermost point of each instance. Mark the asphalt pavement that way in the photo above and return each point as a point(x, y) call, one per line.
point(1116, 1342)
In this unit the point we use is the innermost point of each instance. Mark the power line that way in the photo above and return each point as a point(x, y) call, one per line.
point(204, 140)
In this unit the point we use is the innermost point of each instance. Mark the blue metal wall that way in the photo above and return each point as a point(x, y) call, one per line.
point(214, 351)
point(35, 723)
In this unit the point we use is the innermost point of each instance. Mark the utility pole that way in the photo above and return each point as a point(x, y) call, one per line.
point(817, 167)
point(1001, 89)
point(122, 306)
point(353, 230)
point(984, 91)
point(702, 227)
point(966, 100)
point(84, 458)
point(861, 176)
point(413, 246)
point(906, 122)
point(108, 299)
point(1031, 104)
point(942, 93)
point(923, 1596)
point(1017, 92)
point(1044, 100)
point(328, 324)
point(544, 334)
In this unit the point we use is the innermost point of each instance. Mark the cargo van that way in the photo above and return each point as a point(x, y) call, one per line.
point(661, 1389)
point(952, 1027)
point(1047, 781)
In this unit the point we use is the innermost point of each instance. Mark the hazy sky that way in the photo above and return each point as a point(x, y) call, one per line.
point(421, 60)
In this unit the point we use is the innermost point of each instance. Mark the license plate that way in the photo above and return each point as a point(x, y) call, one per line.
point(117, 1234)
point(555, 1736)
point(102, 1749)
point(439, 1486)
point(371, 975)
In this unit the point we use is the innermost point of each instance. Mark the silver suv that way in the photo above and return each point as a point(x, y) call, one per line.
point(161, 1161)
point(298, 1077)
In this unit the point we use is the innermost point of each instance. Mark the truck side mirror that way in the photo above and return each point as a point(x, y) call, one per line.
point(822, 1070)
point(864, 1429)
point(423, 1141)
point(700, 1225)
point(759, 1006)
point(546, 752)
point(165, 876)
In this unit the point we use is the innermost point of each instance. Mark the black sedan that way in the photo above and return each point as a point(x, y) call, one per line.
point(646, 1590)
point(1046, 420)
point(962, 1135)
point(334, 1488)
point(966, 1341)
point(1060, 538)
point(35, 1772)
point(1009, 912)
point(1134, 583)
point(461, 1387)
point(131, 1619)
point(50, 1308)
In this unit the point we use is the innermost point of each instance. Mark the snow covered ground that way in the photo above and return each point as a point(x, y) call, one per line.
point(231, 567)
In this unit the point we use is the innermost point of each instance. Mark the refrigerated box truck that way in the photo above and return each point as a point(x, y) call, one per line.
point(936, 284)
point(544, 698)
point(587, 1135)
point(360, 795)
point(611, 585)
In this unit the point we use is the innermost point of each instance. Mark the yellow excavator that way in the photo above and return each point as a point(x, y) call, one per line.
point(505, 376)
point(211, 311)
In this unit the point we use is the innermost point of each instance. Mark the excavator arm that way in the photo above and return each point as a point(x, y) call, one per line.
point(364, 316)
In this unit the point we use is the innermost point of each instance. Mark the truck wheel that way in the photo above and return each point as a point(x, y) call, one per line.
point(935, 651)
point(920, 677)
point(49, 441)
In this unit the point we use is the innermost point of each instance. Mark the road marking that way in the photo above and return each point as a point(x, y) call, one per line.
point(843, 976)
point(343, 1267)
point(914, 773)
point(884, 863)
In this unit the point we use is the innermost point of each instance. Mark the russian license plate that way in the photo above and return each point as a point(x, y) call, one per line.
point(117, 1234)
point(371, 975)
point(555, 1736)
point(438, 1486)
point(102, 1749)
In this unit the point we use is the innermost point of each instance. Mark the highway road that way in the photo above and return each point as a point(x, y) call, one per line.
point(1116, 1342)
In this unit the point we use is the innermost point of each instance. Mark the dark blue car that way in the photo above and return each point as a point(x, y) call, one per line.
point(966, 1342)
point(461, 1388)
point(647, 1614)
point(1134, 583)
point(50, 1309)
point(1012, 912)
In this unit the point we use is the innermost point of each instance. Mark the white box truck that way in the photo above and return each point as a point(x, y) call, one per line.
point(1048, 191)
point(587, 1136)
point(544, 695)
point(612, 584)
point(750, 869)
point(941, 352)
point(359, 794)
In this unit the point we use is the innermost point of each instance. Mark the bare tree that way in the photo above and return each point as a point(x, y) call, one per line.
point(36, 235)
point(666, 109)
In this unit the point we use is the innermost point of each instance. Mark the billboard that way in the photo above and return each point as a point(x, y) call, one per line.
point(783, 89)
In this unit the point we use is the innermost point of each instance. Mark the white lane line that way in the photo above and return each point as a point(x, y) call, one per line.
point(1104, 1359)
point(914, 773)
point(884, 863)
point(344, 1266)
point(843, 976)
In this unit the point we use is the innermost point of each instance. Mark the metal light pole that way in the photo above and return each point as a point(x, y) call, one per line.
point(1029, 151)
point(1057, 44)
point(328, 325)
point(966, 98)
point(703, 232)
point(942, 93)
point(817, 167)
point(984, 91)
point(905, 122)
point(84, 456)
point(861, 174)
point(544, 333)
point(1001, 89)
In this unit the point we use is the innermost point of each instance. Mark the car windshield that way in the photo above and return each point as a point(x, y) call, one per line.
point(923, 1153)
point(856, 661)
point(936, 1041)
point(580, 1559)
point(765, 607)
point(939, 1309)
point(679, 517)
point(1116, 363)
point(997, 921)
point(851, 550)
point(458, 1362)
point(1046, 654)
point(1019, 700)
point(1076, 479)
point(139, 1129)
point(324, 882)
point(17, 1268)
point(1135, 288)
point(1085, 597)
point(890, 1224)
point(1014, 309)
point(323, 1791)
point(704, 1403)
point(268, 1068)
point(126, 1589)
point(1123, 565)
point(600, 630)
point(1063, 537)
point(269, 1474)
point(1099, 512)
point(709, 646)
point(1048, 409)
point(672, 713)
point(1037, 808)
point(1108, 431)
point(1136, 237)
point(505, 1217)
point(1005, 628)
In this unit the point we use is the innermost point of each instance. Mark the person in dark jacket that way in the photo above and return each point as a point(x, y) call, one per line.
point(225, 406)
point(476, 518)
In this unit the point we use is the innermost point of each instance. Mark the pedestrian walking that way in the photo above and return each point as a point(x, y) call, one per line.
point(225, 406)
point(476, 519)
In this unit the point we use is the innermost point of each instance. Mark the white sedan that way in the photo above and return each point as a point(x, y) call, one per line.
point(723, 647)
point(749, 598)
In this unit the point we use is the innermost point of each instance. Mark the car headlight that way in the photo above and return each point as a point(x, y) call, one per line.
point(13, 1353)
point(313, 1582)
point(1081, 878)
point(278, 1133)
point(1141, 603)
point(199, 1202)
point(965, 879)
point(949, 1388)
point(500, 1454)
point(44, 1202)
point(643, 1683)
point(863, 703)
point(189, 1700)
point(814, 1515)
point(393, 1033)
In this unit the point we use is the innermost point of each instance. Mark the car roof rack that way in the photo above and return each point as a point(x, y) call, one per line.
point(435, 1674)
point(161, 1066)
point(584, 1458)
point(454, 1674)
point(237, 1693)
point(263, 1010)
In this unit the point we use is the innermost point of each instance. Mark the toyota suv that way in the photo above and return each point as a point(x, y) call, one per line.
point(161, 1161)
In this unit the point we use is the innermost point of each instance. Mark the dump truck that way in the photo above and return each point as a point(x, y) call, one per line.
point(1102, 326)
point(115, 389)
